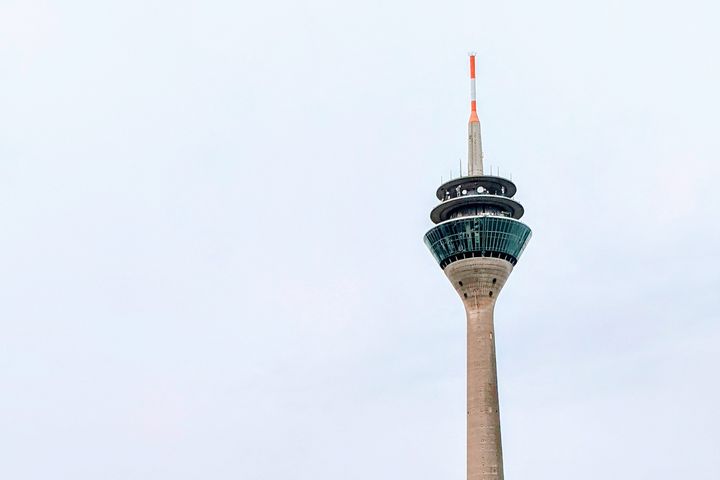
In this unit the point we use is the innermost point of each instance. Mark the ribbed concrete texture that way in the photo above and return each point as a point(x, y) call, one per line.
point(479, 281)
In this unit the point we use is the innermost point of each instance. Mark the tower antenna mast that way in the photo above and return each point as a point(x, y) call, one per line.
point(475, 155)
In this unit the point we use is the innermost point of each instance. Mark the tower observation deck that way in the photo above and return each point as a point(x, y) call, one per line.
point(477, 240)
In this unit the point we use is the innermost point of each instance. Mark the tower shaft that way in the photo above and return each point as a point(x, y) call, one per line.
point(478, 281)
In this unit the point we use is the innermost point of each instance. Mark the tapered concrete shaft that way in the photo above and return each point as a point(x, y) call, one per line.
point(479, 281)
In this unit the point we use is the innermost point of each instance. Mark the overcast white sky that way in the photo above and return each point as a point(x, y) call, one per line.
point(211, 256)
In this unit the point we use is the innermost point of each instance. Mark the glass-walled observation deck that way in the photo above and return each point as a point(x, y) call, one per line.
point(486, 236)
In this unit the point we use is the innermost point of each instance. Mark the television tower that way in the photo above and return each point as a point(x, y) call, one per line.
point(477, 240)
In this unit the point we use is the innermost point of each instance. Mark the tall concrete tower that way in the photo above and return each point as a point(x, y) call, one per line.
point(477, 240)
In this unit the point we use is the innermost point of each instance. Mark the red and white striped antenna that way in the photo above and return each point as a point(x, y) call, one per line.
point(475, 156)
point(473, 95)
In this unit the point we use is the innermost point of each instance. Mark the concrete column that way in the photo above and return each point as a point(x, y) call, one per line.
point(479, 281)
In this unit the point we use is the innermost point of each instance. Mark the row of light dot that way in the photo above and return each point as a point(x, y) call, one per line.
point(464, 192)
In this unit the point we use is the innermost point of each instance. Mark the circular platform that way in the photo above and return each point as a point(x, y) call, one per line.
point(442, 212)
point(491, 184)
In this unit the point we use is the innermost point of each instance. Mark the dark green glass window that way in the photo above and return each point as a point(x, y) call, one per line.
point(478, 236)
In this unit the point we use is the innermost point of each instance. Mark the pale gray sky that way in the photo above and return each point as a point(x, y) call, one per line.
point(212, 258)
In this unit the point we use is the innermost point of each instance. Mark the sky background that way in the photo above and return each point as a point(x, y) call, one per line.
point(211, 259)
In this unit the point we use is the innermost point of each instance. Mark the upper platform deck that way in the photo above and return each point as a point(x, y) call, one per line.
point(488, 184)
point(476, 195)
point(472, 204)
